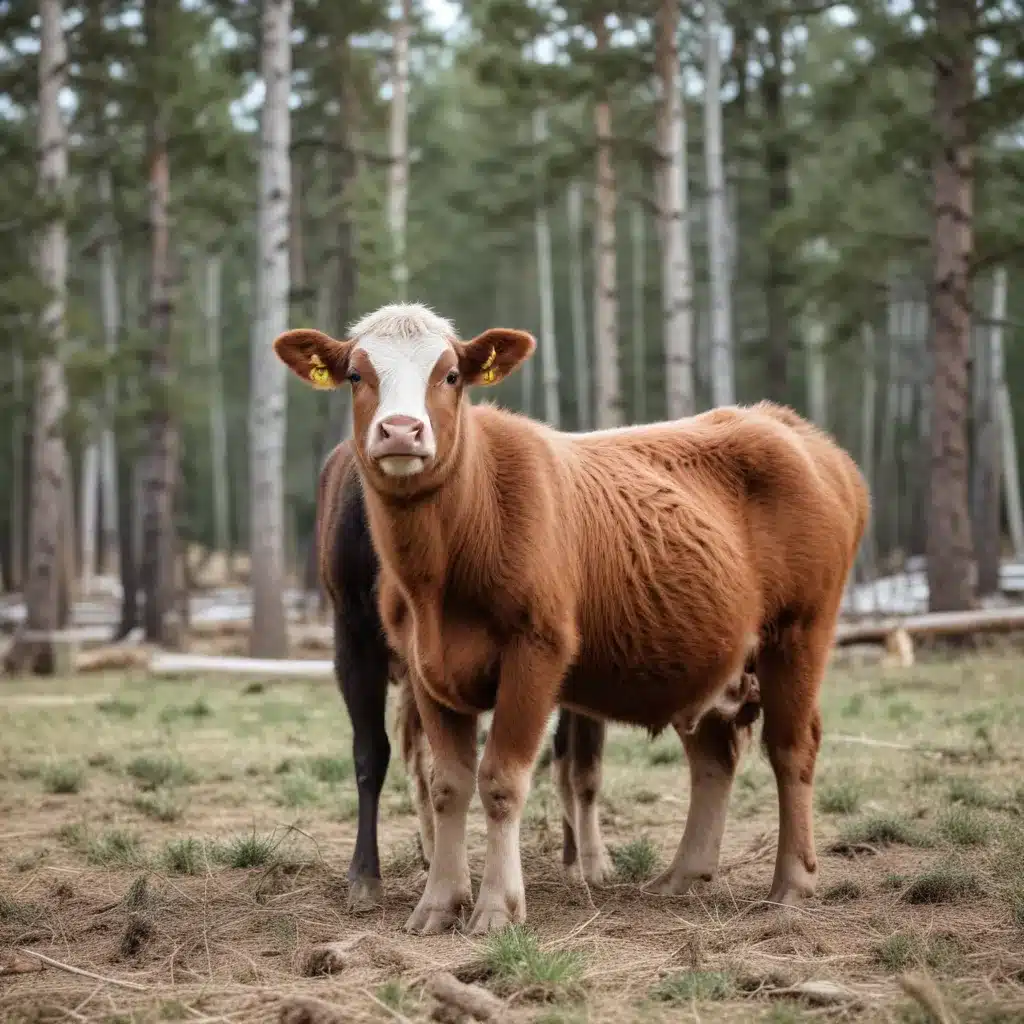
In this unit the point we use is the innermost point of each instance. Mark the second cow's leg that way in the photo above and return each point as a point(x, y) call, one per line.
point(586, 750)
point(417, 758)
point(561, 770)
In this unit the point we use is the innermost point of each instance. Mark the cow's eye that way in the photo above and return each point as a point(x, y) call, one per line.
point(452, 378)
point(354, 377)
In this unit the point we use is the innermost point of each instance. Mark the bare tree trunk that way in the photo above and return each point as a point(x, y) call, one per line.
point(218, 422)
point(1004, 415)
point(817, 389)
point(867, 444)
point(89, 506)
point(639, 339)
point(723, 388)
point(984, 467)
point(110, 314)
point(18, 439)
point(398, 188)
point(776, 168)
point(548, 351)
point(34, 651)
point(268, 391)
point(949, 530)
point(673, 213)
point(606, 293)
point(578, 306)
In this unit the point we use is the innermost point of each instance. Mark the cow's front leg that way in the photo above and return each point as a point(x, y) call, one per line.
point(529, 679)
point(452, 739)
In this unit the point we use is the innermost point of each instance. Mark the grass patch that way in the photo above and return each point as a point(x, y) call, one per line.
point(395, 994)
point(691, 986)
point(63, 777)
point(967, 792)
point(1016, 901)
point(841, 798)
point(893, 881)
point(153, 772)
point(74, 835)
point(942, 885)
point(160, 806)
point(298, 791)
point(138, 896)
point(195, 711)
point(964, 827)
point(646, 796)
point(118, 707)
point(16, 912)
point(665, 753)
point(882, 830)
point(515, 961)
point(184, 856)
point(247, 851)
point(329, 769)
point(115, 848)
point(842, 892)
point(405, 858)
point(348, 808)
point(898, 951)
point(635, 861)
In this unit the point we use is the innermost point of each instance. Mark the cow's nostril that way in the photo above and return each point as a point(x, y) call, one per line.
point(399, 426)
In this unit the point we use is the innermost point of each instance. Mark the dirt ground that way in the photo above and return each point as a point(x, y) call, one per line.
point(185, 844)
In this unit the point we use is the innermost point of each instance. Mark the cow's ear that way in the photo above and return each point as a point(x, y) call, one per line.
point(490, 357)
point(317, 358)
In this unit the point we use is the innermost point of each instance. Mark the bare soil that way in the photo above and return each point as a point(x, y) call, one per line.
point(104, 780)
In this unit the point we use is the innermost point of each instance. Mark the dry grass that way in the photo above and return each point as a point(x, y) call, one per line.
point(192, 838)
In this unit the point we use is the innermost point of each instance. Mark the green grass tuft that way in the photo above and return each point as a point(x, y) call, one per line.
point(138, 896)
point(185, 856)
point(15, 912)
point(882, 830)
point(966, 791)
point(515, 960)
point(329, 769)
point(197, 710)
point(115, 848)
point(153, 772)
point(160, 806)
point(298, 791)
point(63, 777)
point(635, 861)
point(665, 753)
point(964, 827)
point(691, 986)
point(842, 892)
point(247, 851)
point(396, 995)
point(898, 951)
point(942, 885)
point(841, 798)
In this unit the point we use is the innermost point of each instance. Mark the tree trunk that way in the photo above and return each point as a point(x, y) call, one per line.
point(949, 530)
point(776, 169)
point(984, 467)
point(673, 203)
point(1004, 414)
point(398, 186)
point(723, 389)
point(16, 573)
point(606, 293)
point(49, 458)
point(867, 444)
point(817, 389)
point(268, 391)
point(110, 314)
point(89, 507)
point(218, 422)
point(639, 339)
point(548, 351)
point(578, 306)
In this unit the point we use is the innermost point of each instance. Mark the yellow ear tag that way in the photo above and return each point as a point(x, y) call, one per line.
point(487, 374)
point(319, 375)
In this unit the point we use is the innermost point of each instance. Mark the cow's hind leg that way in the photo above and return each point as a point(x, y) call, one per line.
point(562, 775)
point(713, 751)
point(790, 668)
point(417, 758)
point(586, 750)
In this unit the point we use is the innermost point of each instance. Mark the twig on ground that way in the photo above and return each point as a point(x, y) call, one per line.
point(82, 972)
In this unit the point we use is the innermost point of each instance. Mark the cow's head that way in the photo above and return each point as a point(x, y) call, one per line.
point(408, 372)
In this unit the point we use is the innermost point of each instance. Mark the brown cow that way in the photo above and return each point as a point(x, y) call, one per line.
point(628, 574)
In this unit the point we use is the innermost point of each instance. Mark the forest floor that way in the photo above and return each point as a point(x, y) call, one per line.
point(186, 844)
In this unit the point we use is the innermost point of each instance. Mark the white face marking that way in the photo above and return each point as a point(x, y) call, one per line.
point(401, 465)
point(403, 367)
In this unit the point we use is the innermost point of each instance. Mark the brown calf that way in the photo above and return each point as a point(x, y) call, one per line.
point(627, 574)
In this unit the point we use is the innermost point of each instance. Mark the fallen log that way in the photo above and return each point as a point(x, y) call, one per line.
point(982, 620)
point(168, 664)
